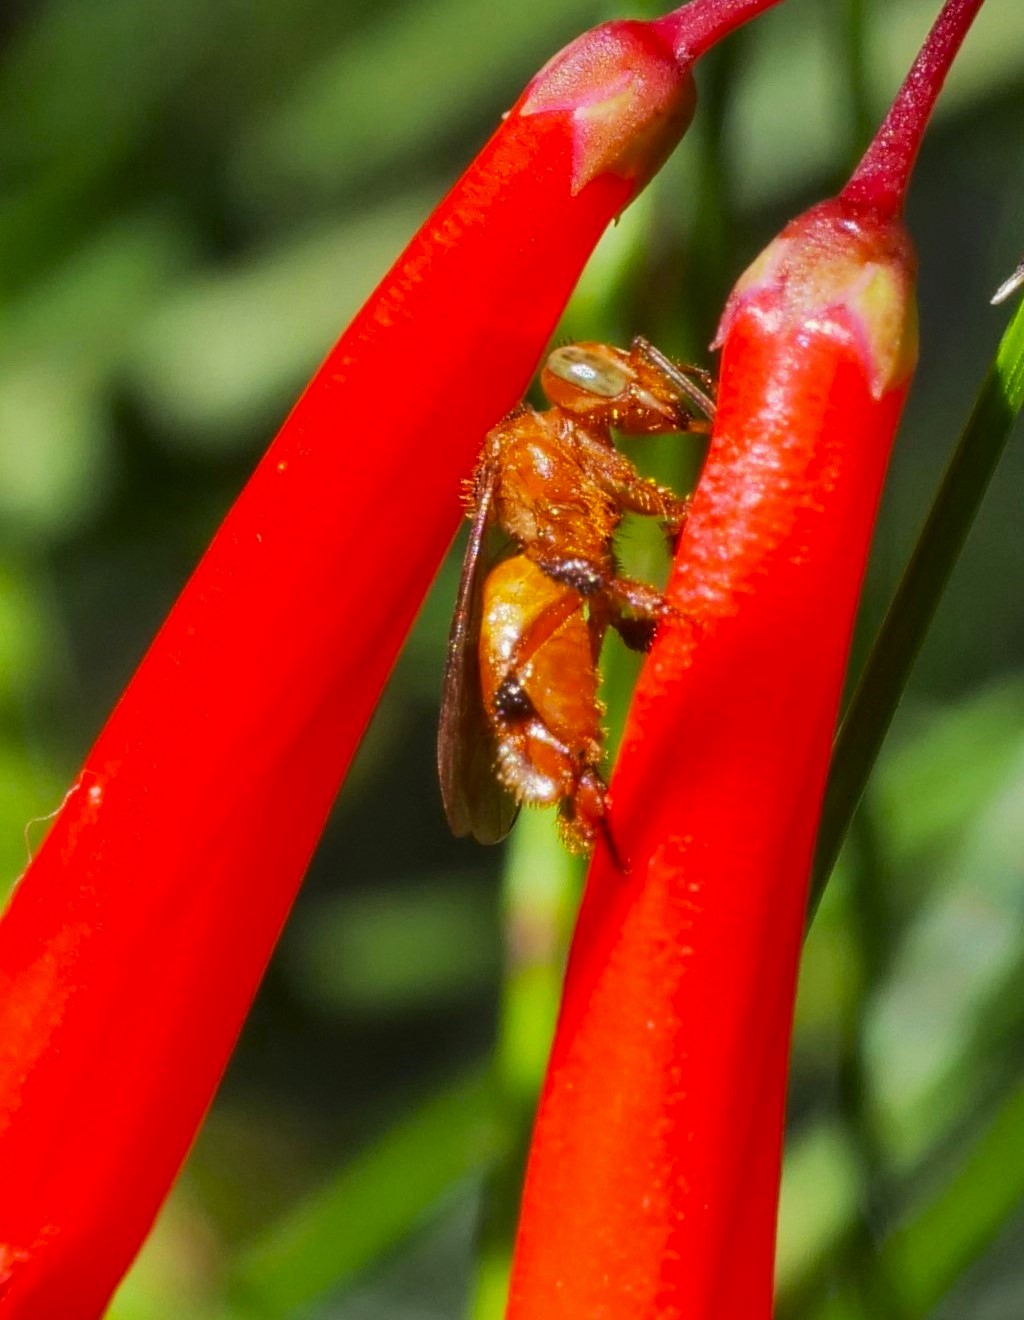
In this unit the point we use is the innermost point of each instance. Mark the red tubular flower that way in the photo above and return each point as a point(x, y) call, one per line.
point(135, 942)
point(653, 1179)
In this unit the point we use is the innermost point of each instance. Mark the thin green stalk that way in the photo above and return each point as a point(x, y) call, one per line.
point(853, 21)
point(936, 1245)
point(885, 674)
point(541, 889)
point(345, 1226)
point(939, 1240)
point(870, 929)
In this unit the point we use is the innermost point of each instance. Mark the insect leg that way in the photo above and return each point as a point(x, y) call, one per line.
point(591, 580)
point(637, 634)
point(620, 863)
point(601, 614)
point(543, 627)
point(584, 815)
point(616, 475)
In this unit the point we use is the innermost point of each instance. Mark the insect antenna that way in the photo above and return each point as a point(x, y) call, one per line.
point(683, 381)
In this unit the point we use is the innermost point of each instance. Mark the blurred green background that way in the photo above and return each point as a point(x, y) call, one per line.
point(195, 198)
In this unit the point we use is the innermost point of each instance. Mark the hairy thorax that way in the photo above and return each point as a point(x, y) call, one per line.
point(547, 497)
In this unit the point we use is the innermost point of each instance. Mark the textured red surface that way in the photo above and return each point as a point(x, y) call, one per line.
point(653, 1180)
point(135, 942)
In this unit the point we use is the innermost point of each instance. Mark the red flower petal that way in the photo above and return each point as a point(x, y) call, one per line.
point(135, 942)
point(653, 1176)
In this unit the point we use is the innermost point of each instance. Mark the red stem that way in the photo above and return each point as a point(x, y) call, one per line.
point(881, 179)
point(696, 27)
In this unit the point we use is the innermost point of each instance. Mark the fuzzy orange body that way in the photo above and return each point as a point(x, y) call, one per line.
point(538, 671)
point(522, 677)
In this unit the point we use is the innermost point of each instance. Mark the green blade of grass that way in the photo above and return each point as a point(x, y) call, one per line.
point(935, 1247)
point(899, 639)
point(372, 1203)
point(541, 892)
point(940, 1240)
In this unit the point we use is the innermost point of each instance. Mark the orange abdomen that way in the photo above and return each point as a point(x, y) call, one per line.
point(539, 681)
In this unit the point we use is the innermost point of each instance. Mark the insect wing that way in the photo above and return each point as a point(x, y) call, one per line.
point(475, 801)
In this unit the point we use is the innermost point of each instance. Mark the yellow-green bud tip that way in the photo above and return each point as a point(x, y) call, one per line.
point(834, 264)
point(628, 98)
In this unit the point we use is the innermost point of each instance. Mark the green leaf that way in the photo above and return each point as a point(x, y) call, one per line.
point(394, 948)
point(819, 1199)
point(927, 1038)
point(950, 1231)
point(396, 90)
point(227, 348)
point(929, 787)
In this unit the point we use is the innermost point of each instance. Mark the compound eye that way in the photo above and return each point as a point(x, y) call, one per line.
point(590, 371)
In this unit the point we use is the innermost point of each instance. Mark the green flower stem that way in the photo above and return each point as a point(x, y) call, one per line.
point(542, 884)
point(934, 1247)
point(938, 1241)
point(870, 927)
point(885, 674)
point(346, 1226)
point(861, 119)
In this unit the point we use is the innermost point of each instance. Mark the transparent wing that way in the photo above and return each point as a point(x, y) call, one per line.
point(475, 801)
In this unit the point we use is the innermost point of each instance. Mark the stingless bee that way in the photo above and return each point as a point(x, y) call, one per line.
point(520, 714)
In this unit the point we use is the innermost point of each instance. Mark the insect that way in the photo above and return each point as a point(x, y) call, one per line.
point(520, 713)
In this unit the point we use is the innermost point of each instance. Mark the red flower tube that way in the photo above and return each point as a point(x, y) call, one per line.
point(653, 1178)
point(135, 941)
